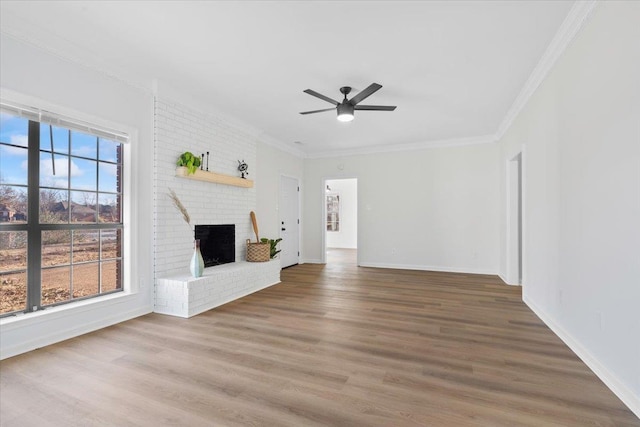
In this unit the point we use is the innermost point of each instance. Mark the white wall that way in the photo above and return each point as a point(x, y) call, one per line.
point(65, 87)
point(581, 137)
point(347, 236)
point(434, 209)
point(272, 163)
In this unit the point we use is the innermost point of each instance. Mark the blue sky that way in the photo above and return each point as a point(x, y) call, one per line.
point(80, 174)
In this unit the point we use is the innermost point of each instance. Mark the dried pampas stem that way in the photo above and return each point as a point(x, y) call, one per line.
point(178, 204)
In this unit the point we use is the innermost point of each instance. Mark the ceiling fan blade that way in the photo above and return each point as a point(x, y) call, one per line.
point(375, 107)
point(373, 87)
point(321, 96)
point(318, 111)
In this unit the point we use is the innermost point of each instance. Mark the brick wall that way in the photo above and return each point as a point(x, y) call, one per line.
point(177, 129)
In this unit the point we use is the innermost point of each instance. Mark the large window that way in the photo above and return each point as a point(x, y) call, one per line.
point(61, 204)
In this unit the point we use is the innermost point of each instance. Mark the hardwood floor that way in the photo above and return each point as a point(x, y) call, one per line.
point(331, 345)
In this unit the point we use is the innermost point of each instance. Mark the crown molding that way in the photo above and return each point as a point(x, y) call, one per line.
point(160, 90)
point(574, 21)
point(166, 93)
point(35, 42)
point(282, 146)
point(455, 142)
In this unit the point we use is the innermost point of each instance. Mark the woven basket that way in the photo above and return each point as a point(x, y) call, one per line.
point(258, 252)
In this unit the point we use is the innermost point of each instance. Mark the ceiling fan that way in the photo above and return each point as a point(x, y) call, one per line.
point(346, 108)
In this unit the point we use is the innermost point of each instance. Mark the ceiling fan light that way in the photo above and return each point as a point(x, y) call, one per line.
point(346, 117)
point(345, 112)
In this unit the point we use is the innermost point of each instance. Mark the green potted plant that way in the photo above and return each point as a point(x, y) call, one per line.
point(272, 243)
point(188, 160)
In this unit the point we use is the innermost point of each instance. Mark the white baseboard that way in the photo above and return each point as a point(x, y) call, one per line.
point(312, 261)
point(429, 268)
point(615, 385)
point(61, 335)
point(504, 279)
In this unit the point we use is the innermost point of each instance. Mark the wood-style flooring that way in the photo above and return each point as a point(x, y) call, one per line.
point(332, 345)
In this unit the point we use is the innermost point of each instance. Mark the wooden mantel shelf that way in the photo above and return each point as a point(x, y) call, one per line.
point(218, 178)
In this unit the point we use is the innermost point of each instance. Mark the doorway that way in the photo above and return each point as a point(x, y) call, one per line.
point(514, 220)
point(340, 223)
point(289, 211)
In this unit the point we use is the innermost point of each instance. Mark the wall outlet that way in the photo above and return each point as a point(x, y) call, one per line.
point(560, 296)
point(393, 251)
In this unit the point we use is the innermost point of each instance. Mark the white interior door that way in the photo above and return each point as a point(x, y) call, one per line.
point(289, 221)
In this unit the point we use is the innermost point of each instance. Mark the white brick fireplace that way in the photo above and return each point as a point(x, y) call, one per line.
point(179, 128)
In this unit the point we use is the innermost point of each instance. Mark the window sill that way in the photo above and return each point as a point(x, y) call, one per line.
point(60, 311)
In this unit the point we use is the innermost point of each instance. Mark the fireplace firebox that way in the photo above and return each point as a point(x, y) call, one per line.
point(217, 243)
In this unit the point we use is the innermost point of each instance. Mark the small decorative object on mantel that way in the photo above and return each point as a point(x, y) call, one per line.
point(242, 167)
point(197, 263)
point(257, 252)
point(188, 160)
point(207, 161)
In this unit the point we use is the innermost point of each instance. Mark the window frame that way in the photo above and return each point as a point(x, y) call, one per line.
point(73, 121)
point(335, 194)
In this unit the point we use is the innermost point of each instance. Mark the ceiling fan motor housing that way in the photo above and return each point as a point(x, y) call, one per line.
point(345, 111)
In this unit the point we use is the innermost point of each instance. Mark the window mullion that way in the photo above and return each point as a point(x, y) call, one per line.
point(34, 246)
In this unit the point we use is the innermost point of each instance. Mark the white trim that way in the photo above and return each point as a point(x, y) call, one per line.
point(615, 385)
point(323, 240)
point(313, 261)
point(18, 99)
point(508, 282)
point(51, 118)
point(573, 22)
point(455, 142)
point(195, 105)
point(282, 146)
point(27, 38)
point(430, 268)
point(167, 93)
point(514, 157)
point(49, 314)
point(523, 215)
point(19, 322)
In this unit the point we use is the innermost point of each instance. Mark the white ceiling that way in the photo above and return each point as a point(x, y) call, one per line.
point(453, 68)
